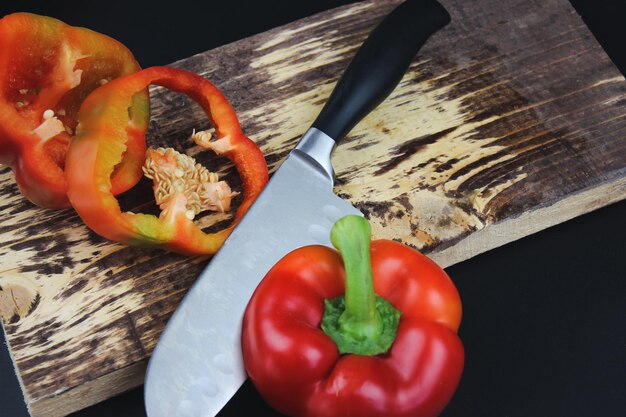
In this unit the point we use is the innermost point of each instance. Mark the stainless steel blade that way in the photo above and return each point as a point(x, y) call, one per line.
point(297, 208)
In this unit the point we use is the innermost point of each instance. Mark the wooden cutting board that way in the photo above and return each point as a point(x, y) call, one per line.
point(510, 120)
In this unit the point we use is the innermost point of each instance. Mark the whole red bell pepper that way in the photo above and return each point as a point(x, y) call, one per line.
point(312, 351)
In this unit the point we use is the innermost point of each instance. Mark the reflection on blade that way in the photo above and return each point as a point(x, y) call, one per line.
point(297, 208)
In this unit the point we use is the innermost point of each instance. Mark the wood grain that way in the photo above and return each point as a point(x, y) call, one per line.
point(510, 120)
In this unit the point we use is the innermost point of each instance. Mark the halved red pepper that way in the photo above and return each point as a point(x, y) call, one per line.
point(312, 351)
point(47, 68)
point(106, 128)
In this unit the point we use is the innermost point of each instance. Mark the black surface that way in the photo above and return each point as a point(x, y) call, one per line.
point(544, 323)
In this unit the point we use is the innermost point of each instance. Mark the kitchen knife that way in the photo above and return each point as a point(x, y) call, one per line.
point(197, 364)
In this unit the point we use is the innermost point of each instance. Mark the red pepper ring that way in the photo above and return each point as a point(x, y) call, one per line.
point(47, 68)
point(100, 143)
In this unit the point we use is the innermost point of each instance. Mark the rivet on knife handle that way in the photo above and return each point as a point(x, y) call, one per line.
point(379, 64)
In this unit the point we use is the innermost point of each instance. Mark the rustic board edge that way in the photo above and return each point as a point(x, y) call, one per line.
point(531, 222)
point(91, 393)
point(16, 372)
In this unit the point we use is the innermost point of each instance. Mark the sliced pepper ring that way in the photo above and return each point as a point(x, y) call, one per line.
point(100, 143)
point(47, 68)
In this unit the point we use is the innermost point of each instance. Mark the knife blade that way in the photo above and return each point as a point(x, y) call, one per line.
point(197, 364)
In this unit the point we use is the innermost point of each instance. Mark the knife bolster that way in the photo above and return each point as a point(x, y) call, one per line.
point(318, 146)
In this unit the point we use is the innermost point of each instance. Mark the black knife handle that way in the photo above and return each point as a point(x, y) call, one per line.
point(380, 64)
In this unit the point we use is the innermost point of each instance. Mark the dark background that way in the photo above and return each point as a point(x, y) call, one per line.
point(544, 323)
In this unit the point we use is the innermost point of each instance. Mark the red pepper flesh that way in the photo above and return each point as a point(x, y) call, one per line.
point(47, 68)
point(106, 129)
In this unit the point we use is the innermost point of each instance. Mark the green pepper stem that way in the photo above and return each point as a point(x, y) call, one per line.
point(361, 319)
point(359, 322)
